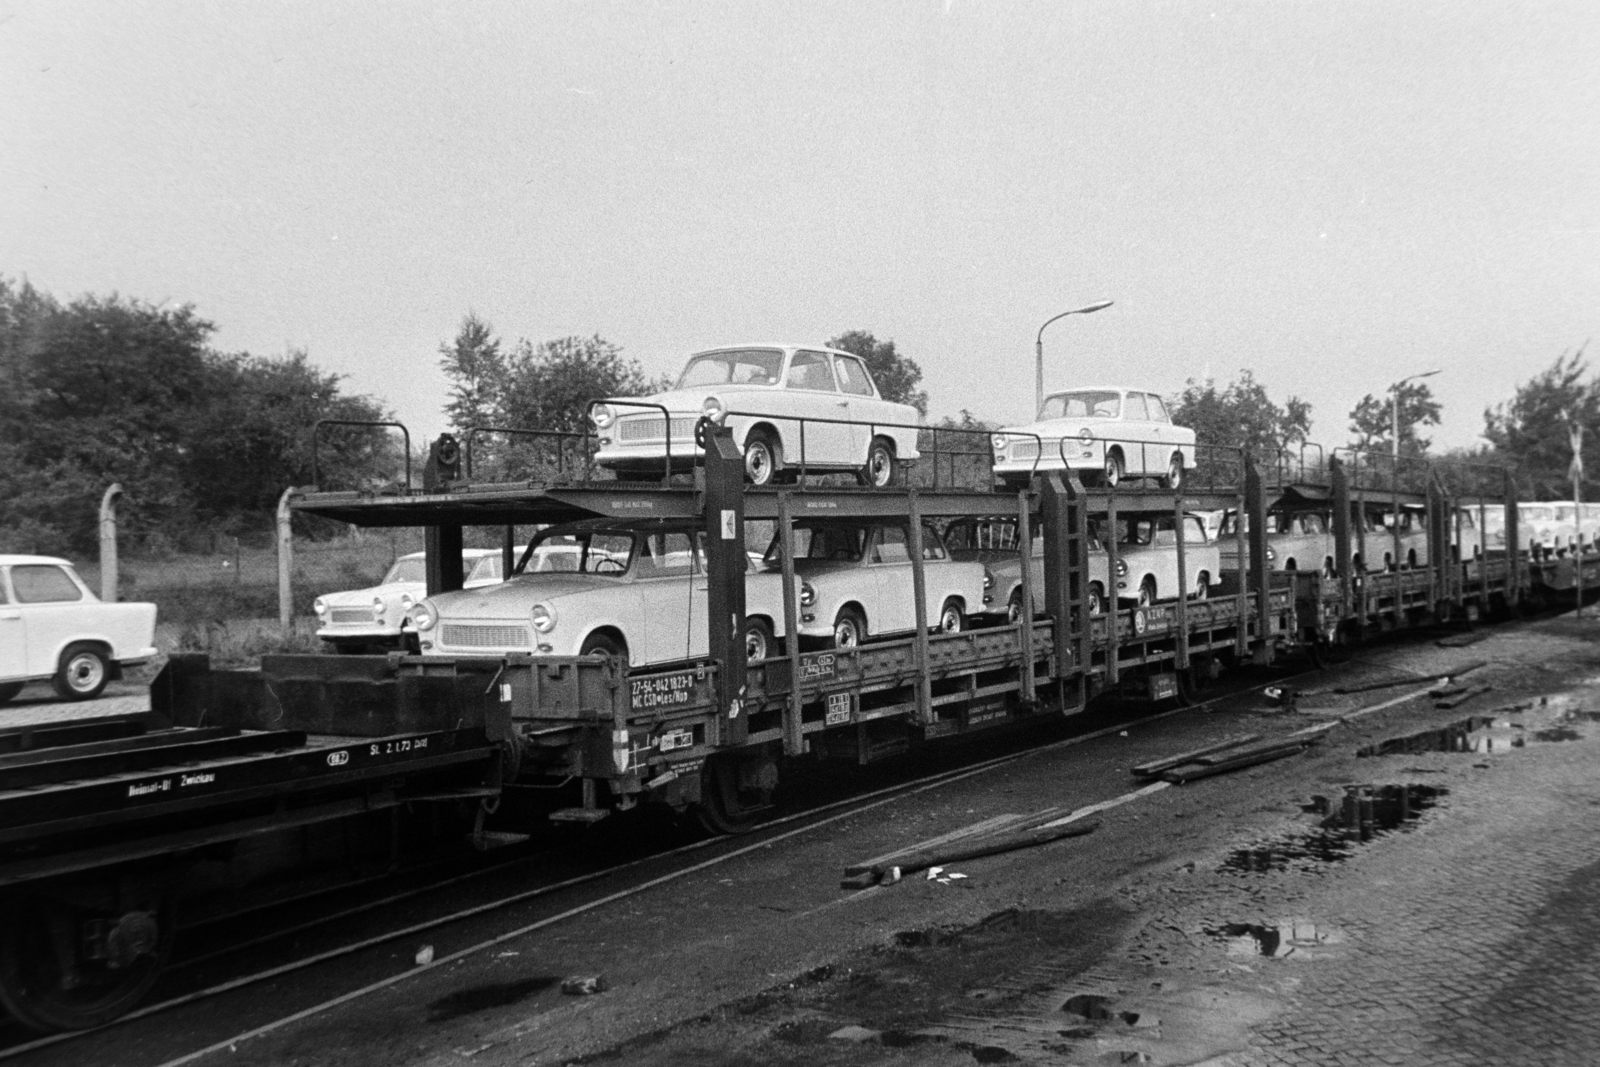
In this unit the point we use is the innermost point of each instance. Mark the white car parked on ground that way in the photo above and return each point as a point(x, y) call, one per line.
point(359, 620)
point(1108, 433)
point(777, 385)
point(856, 582)
point(52, 626)
point(636, 591)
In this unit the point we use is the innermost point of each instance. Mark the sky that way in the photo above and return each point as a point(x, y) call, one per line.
point(1331, 195)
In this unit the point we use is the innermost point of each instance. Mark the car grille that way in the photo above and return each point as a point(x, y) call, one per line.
point(350, 616)
point(1025, 450)
point(474, 635)
point(650, 429)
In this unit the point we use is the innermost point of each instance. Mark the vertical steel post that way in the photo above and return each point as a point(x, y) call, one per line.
point(1260, 578)
point(793, 734)
point(108, 542)
point(285, 561)
point(508, 552)
point(919, 590)
point(1065, 583)
point(1513, 542)
point(1241, 610)
point(1342, 552)
point(1025, 634)
point(1182, 661)
point(1112, 613)
point(726, 566)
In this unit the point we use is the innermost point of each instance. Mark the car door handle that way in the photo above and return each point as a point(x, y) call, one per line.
point(842, 403)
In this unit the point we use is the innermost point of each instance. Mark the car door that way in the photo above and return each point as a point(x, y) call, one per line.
point(13, 635)
point(50, 603)
point(889, 564)
point(672, 619)
point(862, 405)
point(811, 392)
point(1141, 448)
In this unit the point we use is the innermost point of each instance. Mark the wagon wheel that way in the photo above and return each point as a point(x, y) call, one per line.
point(69, 965)
point(724, 808)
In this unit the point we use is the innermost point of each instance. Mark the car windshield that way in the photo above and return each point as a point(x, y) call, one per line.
point(1084, 404)
point(487, 569)
point(407, 570)
point(606, 552)
point(843, 544)
point(744, 366)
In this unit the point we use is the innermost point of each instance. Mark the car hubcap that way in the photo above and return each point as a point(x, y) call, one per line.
point(880, 468)
point(951, 623)
point(1113, 475)
point(83, 673)
point(844, 633)
point(1175, 474)
point(755, 644)
point(758, 464)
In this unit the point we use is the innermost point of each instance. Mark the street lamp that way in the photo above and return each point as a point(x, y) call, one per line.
point(1038, 353)
point(1395, 404)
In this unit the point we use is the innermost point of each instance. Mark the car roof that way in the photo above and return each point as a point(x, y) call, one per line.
point(785, 345)
point(466, 553)
point(14, 559)
point(1103, 389)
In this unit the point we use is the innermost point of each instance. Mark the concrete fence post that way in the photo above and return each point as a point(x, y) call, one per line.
point(285, 561)
point(108, 543)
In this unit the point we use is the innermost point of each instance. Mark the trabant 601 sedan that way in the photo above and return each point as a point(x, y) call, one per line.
point(789, 406)
point(52, 626)
point(360, 620)
point(856, 582)
point(1296, 541)
point(1107, 433)
point(635, 591)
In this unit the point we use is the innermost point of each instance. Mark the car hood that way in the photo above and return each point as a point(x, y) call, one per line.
point(364, 597)
point(1054, 429)
point(691, 401)
point(520, 594)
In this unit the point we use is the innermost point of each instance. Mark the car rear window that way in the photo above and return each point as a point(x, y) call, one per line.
point(37, 583)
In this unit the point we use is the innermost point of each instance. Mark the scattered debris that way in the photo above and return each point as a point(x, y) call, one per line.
point(857, 1034)
point(862, 876)
point(1412, 680)
point(1463, 697)
point(1219, 759)
point(585, 985)
point(1155, 767)
point(1462, 640)
point(424, 955)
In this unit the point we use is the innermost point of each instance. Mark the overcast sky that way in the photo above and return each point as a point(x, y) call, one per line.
point(1333, 195)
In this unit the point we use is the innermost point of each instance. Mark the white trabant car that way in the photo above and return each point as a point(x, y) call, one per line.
point(52, 627)
point(361, 620)
point(1108, 433)
point(1296, 541)
point(856, 582)
point(634, 590)
point(762, 392)
point(1147, 562)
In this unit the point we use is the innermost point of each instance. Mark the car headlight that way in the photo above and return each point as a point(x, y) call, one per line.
point(406, 600)
point(1271, 555)
point(988, 578)
point(999, 441)
point(424, 616)
point(1086, 435)
point(1122, 568)
point(603, 415)
point(320, 607)
point(808, 594)
point(544, 618)
point(713, 409)
point(379, 608)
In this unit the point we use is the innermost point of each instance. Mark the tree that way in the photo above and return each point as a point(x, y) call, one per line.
point(896, 375)
point(1372, 420)
point(1531, 429)
point(1241, 415)
point(478, 370)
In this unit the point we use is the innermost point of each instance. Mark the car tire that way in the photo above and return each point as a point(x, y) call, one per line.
point(9, 690)
point(763, 458)
point(880, 471)
point(1014, 609)
point(1202, 588)
point(1111, 473)
point(82, 674)
point(1174, 475)
point(1096, 599)
point(611, 645)
point(849, 628)
point(1328, 568)
point(759, 643)
point(951, 618)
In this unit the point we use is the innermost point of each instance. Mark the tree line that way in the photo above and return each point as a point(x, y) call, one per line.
point(112, 389)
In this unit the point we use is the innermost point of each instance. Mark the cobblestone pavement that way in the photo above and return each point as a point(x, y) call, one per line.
point(37, 705)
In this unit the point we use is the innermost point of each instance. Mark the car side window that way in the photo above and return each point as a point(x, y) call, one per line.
point(1194, 531)
point(3, 598)
point(487, 569)
point(852, 376)
point(1134, 409)
point(891, 546)
point(1158, 410)
point(932, 547)
point(810, 370)
point(38, 583)
point(665, 555)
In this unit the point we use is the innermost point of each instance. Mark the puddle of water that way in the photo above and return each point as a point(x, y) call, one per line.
point(1275, 942)
point(1473, 734)
point(1557, 733)
point(1361, 814)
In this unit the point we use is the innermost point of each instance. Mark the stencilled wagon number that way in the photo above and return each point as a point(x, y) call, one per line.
point(838, 709)
point(391, 748)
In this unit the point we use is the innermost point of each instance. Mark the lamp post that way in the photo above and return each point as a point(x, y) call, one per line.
point(1396, 405)
point(1038, 352)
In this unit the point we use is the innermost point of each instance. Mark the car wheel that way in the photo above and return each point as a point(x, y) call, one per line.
point(849, 628)
point(1202, 588)
point(762, 457)
point(83, 673)
point(880, 471)
point(951, 620)
point(1147, 597)
point(758, 640)
point(1327, 568)
point(1174, 478)
point(1014, 608)
point(1097, 599)
point(1111, 474)
point(610, 644)
point(8, 691)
